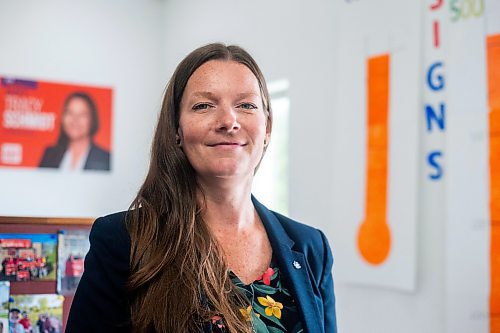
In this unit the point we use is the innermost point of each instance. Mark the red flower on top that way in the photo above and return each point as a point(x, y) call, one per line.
point(266, 277)
point(217, 320)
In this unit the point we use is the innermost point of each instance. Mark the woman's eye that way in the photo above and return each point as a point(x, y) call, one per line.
point(201, 106)
point(248, 106)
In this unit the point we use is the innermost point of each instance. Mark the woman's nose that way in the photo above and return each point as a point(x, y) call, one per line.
point(227, 120)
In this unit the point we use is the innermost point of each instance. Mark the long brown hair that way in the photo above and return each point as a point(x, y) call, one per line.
point(178, 277)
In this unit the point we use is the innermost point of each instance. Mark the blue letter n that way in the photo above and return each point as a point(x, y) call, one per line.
point(433, 117)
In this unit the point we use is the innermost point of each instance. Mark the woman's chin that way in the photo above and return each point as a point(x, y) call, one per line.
point(228, 173)
point(77, 136)
point(225, 169)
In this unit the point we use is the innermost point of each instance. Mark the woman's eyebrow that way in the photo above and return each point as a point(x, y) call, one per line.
point(210, 95)
point(204, 94)
point(248, 94)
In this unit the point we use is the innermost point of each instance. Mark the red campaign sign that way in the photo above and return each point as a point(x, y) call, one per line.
point(54, 125)
point(18, 243)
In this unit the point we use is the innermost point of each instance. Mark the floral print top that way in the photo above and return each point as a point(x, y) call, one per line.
point(272, 309)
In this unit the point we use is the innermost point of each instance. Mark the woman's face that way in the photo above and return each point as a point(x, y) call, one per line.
point(223, 123)
point(77, 119)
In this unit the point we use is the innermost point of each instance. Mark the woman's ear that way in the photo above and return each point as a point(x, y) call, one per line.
point(266, 139)
point(178, 137)
point(268, 129)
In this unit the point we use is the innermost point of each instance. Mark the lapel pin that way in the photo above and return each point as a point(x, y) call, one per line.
point(296, 265)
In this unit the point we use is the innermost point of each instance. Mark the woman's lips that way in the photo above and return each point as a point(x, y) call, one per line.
point(226, 145)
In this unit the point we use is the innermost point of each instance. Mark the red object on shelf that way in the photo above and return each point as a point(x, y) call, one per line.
point(74, 266)
point(15, 242)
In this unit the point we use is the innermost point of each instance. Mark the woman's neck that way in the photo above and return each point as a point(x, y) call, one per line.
point(228, 206)
point(77, 149)
point(79, 145)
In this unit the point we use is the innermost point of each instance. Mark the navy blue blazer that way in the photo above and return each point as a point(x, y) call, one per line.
point(304, 258)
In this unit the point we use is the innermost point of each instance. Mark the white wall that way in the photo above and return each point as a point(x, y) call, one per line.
point(111, 43)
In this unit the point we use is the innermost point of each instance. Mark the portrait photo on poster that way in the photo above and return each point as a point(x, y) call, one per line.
point(52, 125)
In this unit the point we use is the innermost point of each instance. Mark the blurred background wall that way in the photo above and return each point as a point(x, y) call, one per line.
point(134, 46)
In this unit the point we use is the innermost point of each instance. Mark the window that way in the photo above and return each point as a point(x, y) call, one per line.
point(270, 185)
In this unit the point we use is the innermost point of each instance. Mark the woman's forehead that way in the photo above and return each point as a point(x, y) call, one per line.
point(77, 102)
point(223, 75)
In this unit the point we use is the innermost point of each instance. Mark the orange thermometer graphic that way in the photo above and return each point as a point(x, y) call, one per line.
point(493, 59)
point(374, 235)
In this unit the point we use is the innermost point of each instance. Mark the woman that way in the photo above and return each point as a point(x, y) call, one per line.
point(196, 252)
point(75, 148)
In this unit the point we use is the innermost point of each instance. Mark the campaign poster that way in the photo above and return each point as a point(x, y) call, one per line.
point(38, 313)
point(72, 247)
point(59, 126)
point(4, 305)
point(28, 257)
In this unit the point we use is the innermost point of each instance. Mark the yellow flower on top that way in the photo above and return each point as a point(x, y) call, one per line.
point(247, 314)
point(272, 307)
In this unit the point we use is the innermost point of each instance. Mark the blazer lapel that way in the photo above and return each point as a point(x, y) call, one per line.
point(293, 266)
